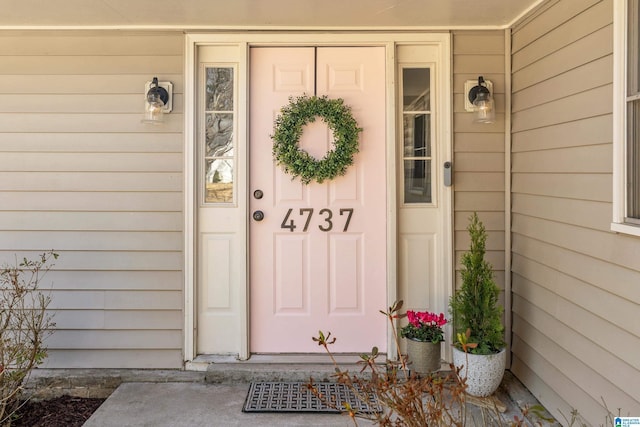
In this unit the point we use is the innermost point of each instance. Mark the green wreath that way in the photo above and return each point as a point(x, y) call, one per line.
point(288, 130)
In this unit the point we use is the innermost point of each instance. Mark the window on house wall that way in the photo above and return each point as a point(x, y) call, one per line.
point(633, 113)
point(626, 170)
point(219, 121)
point(416, 123)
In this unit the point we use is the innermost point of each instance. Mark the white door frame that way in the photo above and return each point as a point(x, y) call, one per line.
point(442, 41)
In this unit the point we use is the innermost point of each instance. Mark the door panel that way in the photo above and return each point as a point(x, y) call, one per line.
point(220, 194)
point(423, 215)
point(309, 270)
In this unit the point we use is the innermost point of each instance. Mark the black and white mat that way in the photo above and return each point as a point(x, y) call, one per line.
point(296, 397)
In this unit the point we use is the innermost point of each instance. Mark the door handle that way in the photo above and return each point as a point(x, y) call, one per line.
point(258, 215)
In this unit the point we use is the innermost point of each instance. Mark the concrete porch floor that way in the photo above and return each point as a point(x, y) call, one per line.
point(215, 396)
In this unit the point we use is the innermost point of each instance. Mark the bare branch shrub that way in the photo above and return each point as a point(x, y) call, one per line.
point(24, 324)
point(406, 399)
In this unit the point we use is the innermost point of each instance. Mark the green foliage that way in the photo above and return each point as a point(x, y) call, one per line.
point(288, 130)
point(474, 307)
point(422, 334)
point(24, 324)
point(424, 326)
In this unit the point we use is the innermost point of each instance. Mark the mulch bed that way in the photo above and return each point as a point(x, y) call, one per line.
point(62, 411)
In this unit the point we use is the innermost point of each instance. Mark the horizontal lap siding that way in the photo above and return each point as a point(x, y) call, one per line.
point(575, 293)
point(81, 174)
point(479, 148)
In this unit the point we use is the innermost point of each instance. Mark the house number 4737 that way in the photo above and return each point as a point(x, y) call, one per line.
point(326, 217)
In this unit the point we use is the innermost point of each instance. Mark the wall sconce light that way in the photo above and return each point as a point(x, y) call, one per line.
point(158, 100)
point(480, 100)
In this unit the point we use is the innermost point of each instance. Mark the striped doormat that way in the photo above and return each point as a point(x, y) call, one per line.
point(296, 397)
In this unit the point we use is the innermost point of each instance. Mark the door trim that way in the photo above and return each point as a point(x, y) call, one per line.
point(442, 41)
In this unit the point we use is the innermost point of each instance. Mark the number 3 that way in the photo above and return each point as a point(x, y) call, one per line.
point(327, 220)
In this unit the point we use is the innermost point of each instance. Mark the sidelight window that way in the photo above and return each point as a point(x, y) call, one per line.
point(219, 135)
point(416, 123)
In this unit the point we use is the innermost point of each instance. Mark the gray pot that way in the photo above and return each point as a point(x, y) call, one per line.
point(424, 357)
point(484, 372)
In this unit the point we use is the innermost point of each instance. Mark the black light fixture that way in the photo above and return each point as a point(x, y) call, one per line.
point(157, 101)
point(482, 103)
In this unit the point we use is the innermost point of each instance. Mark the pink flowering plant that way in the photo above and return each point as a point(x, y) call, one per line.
point(424, 326)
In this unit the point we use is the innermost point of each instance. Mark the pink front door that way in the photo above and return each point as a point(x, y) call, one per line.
point(318, 258)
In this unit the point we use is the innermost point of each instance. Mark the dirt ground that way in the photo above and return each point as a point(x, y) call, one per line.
point(65, 411)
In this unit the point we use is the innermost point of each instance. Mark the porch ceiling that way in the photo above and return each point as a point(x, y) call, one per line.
point(247, 14)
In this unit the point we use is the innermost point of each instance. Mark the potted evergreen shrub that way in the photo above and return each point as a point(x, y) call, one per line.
point(477, 319)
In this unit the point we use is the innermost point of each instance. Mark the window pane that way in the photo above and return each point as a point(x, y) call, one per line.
point(417, 181)
point(417, 135)
point(635, 55)
point(633, 159)
point(633, 113)
point(633, 45)
point(219, 135)
point(416, 89)
point(219, 89)
point(218, 181)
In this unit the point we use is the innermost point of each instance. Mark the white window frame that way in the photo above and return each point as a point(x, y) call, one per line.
point(620, 121)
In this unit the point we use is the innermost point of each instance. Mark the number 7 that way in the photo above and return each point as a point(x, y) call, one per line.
point(346, 224)
point(310, 212)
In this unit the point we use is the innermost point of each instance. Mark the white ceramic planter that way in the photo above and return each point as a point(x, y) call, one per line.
point(483, 372)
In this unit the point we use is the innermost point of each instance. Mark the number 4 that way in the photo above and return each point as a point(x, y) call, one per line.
point(291, 226)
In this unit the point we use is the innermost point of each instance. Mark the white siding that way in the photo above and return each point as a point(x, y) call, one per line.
point(576, 301)
point(81, 174)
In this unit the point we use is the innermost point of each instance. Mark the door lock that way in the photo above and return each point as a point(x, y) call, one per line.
point(258, 215)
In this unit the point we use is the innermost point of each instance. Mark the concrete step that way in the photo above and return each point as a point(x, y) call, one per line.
point(220, 370)
point(229, 373)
